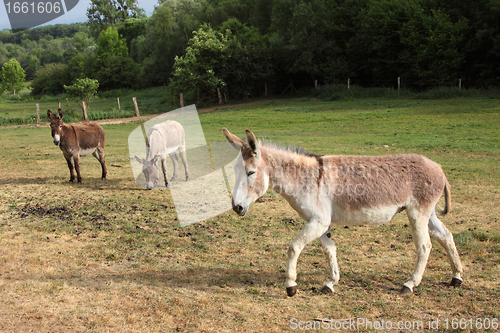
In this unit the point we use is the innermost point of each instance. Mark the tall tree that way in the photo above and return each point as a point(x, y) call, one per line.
point(113, 67)
point(105, 13)
point(168, 31)
point(302, 37)
point(432, 45)
point(12, 77)
point(196, 70)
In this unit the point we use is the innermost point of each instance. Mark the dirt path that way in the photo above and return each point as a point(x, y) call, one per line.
point(202, 110)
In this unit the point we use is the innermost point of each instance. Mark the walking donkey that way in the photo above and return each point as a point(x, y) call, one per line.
point(346, 190)
point(76, 141)
point(161, 140)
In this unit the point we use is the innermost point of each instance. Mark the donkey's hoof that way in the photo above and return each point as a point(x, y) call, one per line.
point(405, 291)
point(455, 282)
point(291, 291)
point(187, 179)
point(103, 178)
point(326, 290)
point(167, 185)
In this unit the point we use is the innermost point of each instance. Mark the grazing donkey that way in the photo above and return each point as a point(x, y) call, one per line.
point(346, 190)
point(76, 141)
point(161, 140)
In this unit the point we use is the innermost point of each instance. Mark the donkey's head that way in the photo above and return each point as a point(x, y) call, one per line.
point(252, 178)
point(150, 170)
point(56, 124)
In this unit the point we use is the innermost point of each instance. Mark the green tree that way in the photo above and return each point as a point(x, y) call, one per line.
point(31, 64)
point(12, 77)
point(168, 31)
point(371, 51)
point(109, 44)
point(49, 79)
point(79, 67)
point(81, 41)
point(196, 70)
point(432, 45)
point(113, 68)
point(302, 38)
point(105, 13)
point(247, 62)
point(84, 90)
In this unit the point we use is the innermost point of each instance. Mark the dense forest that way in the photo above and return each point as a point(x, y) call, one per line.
point(241, 46)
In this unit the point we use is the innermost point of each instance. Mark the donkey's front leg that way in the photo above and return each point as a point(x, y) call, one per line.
point(331, 254)
point(311, 231)
point(70, 166)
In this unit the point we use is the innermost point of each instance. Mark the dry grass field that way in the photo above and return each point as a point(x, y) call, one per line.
point(107, 256)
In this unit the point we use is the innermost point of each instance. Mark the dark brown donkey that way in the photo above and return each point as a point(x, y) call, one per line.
point(76, 141)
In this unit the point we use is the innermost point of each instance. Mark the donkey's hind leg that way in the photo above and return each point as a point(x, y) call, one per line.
point(311, 231)
point(99, 154)
point(164, 169)
point(331, 254)
point(175, 162)
point(76, 158)
point(445, 238)
point(423, 245)
point(182, 152)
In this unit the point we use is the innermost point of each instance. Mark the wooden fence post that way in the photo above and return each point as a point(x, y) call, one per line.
point(219, 95)
point(58, 105)
point(348, 83)
point(136, 107)
point(399, 83)
point(181, 97)
point(315, 84)
point(85, 116)
point(118, 101)
point(265, 88)
point(459, 84)
point(37, 114)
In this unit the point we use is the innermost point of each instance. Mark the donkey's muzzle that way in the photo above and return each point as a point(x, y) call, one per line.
point(57, 140)
point(239, 210)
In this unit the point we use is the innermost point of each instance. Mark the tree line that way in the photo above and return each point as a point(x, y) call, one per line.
point(242, 46)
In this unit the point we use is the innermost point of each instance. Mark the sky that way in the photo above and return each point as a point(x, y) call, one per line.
point(76, 15)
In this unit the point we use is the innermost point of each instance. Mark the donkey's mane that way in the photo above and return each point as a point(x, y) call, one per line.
point(287, 148)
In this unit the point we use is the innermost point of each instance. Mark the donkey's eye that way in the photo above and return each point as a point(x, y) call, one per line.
point(60, 127)
point(249, 173)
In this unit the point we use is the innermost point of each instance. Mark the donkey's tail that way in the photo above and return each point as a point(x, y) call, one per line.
point(447, 200)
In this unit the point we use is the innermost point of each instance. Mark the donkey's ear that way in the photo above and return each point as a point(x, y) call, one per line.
point(140, 160)
point(233, 140)
point(59, 112)
point(49, 114)
point(252, 143)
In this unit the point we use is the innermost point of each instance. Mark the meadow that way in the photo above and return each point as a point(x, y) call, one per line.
point(107, 256)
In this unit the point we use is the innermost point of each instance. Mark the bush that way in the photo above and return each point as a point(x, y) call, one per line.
point(49, 80)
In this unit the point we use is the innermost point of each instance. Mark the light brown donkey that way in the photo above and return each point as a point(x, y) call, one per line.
point(346, 190)
point(76, 141)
